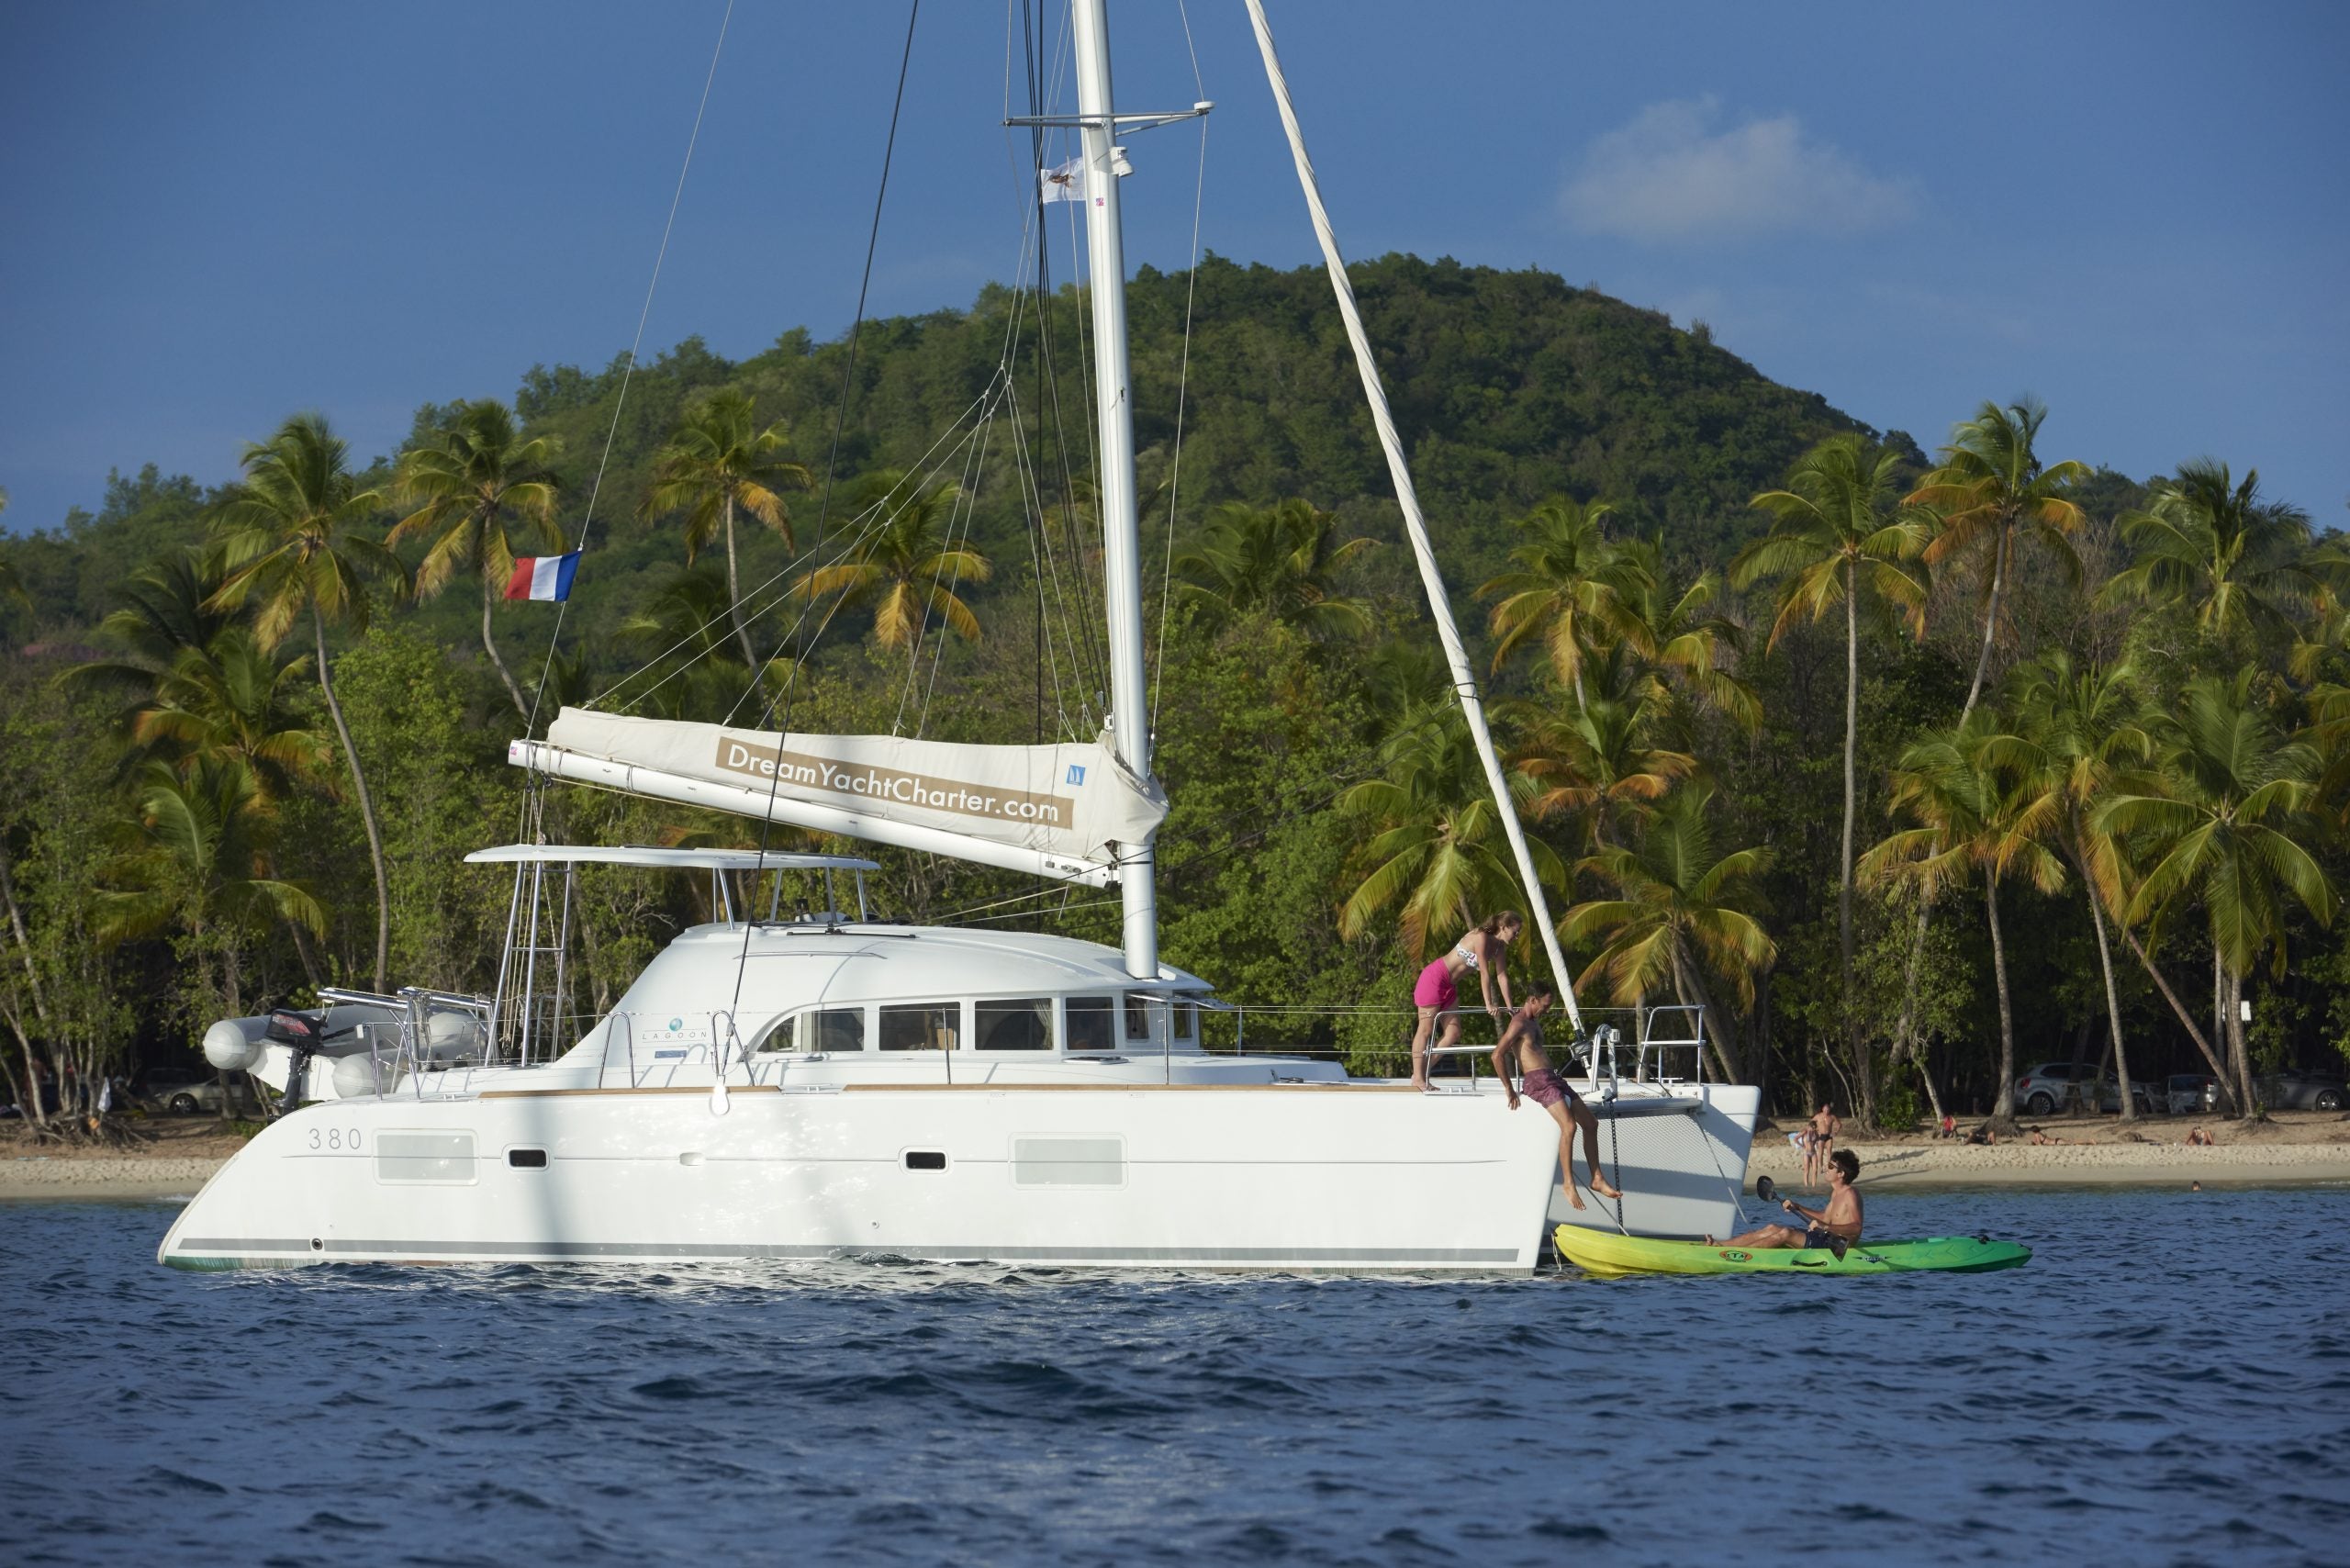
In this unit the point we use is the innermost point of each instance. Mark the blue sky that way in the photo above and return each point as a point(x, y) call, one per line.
point(214, 215)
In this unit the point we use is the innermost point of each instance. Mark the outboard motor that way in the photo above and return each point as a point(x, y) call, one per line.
point(301, 1034)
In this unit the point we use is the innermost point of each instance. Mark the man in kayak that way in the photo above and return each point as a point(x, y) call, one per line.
point(1833, 1227)
point(1521, 1051)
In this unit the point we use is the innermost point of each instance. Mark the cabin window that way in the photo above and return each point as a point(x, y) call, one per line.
point(1138, 1016)
point(932, 1026)
point(1089, 1024)
point(833, 1029)
point(1025, 1025)
point(1187, 1020)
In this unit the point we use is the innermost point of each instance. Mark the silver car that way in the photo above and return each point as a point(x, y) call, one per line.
point(2294, 1089)
point(179, 1092)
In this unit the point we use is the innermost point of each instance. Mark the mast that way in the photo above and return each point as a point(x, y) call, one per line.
point(1113, 414)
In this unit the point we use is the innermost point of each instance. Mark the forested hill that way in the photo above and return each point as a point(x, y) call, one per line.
point(1510, 387)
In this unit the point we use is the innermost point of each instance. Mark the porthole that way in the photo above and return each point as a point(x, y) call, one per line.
point(925, 1159)
point(527, 1158)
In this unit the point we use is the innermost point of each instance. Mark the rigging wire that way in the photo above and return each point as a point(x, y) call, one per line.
point(1182, 396)
point(563, 606)
point(831, 469)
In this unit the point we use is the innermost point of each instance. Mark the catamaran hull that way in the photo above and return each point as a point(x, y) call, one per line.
point(1680, 1158)
point(1288, 1176)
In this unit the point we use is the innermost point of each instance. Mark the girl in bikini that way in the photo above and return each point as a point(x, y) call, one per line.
point(1485, 950)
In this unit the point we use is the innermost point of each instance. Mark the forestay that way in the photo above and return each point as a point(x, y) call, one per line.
point(1065, 810)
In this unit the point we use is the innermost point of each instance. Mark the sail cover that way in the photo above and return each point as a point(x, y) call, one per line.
point(1071, 801)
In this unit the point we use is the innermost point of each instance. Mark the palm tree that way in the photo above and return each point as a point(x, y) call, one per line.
point(1437, 852)
point(475, 484)
point(1992, 494)
point(1957, 785)
point(1838, 540)
point(166, 611)
point(1679, 907)
point(714, 462)
point(2216, 547)
point(1283, 559)
point(1600, 759)
point(1571, 589)
point(287, 545)
point(2230, 824)
point(231, 700)
point(199, 856)
point(2077, 726)
point(682, 628)
point(905, 564)
point(1683, 645)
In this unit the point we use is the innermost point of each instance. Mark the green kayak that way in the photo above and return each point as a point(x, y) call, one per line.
point(1612, 1257)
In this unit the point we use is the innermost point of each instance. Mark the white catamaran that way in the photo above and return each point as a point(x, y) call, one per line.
point(821, 1083)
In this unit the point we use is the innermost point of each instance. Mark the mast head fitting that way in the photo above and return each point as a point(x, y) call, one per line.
point(1118, 164)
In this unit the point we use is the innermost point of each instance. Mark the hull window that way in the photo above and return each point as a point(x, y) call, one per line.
point(1068, 1162)
point(931, 1028)
point(1088, 1025)
point(437, 1159)
point(925, 1159)
point(527, 1158)
point(1023, 1025)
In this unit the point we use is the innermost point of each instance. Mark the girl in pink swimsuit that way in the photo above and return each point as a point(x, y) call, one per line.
point(1485, 950)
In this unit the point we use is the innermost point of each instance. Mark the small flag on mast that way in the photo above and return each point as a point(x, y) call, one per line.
point(1065, 182)
point(542, 576)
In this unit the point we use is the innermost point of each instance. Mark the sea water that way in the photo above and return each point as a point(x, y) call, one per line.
point(2168, 1381)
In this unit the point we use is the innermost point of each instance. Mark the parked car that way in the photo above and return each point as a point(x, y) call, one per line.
point(2191, 1093)
point(180, 1091)
point(2048, 1088)
point(2296, 1089)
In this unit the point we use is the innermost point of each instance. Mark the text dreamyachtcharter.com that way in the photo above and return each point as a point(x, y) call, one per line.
point(803, 771)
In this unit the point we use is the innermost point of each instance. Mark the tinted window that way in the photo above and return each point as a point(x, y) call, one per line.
point(1025, 1025)
point(834, 1029)
point(1089, 1023)
point(929, 1028)
point(1138, 1008)
point(1187, 1021)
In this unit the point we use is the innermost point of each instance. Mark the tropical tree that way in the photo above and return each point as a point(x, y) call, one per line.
point(1837, 538)
point(199, 858)
point(1571, 589)
point(1683, 643)
point(12, 582)
point(904, 561)
point(1679, 907)
point(2215, 547)
point(476, 487)
point(715, 461)
point(231, 700)
point(166, 610)
point(1284, 558)
point(289, 545)
point(1437, 854)
point(1600, 762)
point(2228, 825)
point(1990, 494)
point(2079, 738)
point(693, 667)
point(1958, 785)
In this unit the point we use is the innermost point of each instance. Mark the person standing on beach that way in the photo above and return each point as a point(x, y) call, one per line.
point(1820, 1144)
point(1485, 951)
point(1521, 1050)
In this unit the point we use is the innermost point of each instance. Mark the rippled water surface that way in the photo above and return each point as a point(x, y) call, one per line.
point(2167, 1381)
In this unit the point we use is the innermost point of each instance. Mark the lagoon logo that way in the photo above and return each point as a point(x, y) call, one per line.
point(676, 1024)
point(1076, 773)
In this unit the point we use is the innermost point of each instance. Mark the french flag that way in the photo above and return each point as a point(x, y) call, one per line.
point(542, 576)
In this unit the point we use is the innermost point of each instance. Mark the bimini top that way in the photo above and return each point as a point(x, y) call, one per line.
point(682, 859)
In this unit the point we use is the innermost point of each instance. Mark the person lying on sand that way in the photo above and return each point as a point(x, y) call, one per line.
point(1521, 1050)
point(2197, 1138)
point(1834, 1228)
point(2039, 1136)
point(1985, 1134)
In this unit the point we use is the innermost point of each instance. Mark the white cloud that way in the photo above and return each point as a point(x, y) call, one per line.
point(1670, 176)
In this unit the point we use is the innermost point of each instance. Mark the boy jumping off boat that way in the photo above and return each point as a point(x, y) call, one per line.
point(1521, 1050)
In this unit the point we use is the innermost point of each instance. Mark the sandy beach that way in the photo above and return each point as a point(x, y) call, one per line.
point(2290, 1148)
